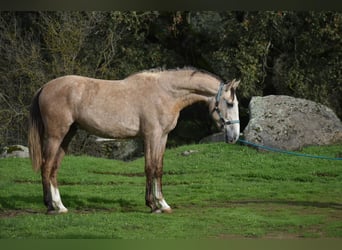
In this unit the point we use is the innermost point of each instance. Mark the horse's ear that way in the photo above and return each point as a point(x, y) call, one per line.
point(232, 85)
point(230, 90)
point(235, 84)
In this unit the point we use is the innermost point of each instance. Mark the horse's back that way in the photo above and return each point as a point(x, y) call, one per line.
point(78, 90)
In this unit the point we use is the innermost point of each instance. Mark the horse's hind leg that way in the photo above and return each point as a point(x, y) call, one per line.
point(55, 196)
point(50, 152)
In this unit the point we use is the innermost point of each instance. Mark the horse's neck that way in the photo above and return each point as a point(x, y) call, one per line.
point(201, 88)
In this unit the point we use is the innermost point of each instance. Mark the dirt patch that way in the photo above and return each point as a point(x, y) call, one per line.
point(317, 204)
point(119, 173)
point(281, 236)
point(325, 174)
point(137, 174)
point(273, 235)
point(19, 181)
point(13, 213)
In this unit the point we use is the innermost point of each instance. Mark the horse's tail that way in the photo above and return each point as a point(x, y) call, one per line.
point(36, 133)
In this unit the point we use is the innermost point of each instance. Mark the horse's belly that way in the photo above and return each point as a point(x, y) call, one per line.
point(110, 127)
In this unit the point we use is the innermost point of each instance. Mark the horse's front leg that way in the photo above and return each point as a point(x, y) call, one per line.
point(154, 153)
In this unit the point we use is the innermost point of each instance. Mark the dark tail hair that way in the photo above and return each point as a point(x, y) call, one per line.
point(36, 133)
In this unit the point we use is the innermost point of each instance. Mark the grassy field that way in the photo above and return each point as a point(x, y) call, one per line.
point(220, 191)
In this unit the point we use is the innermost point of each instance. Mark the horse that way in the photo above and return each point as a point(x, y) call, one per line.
point(146, 104)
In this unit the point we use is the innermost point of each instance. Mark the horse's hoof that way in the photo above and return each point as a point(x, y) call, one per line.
point(159, 211)
point(54, 212)
point(167, 211)
point(62, 211)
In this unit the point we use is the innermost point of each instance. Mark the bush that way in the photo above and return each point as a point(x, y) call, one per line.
point(272, 52)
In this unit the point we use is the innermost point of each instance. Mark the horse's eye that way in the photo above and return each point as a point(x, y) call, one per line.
point(230, 104)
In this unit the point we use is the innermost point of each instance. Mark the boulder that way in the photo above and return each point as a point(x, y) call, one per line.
point(118, 149)
point(290, 123)
point(127, 149)
point(15, 151)
point(217, 137)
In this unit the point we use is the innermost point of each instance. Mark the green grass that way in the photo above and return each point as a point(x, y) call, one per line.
point(222, 191)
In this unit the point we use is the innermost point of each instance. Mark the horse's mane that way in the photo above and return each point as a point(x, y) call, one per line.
point(187, 68)
point(205, 72)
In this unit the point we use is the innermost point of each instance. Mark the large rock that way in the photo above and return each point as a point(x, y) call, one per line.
point(127, 149)
point(217, 137)
point(291, 123)
point(15, 151)
point(118, 149)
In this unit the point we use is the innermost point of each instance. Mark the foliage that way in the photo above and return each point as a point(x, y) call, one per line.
point(273, 52)
point(220, 191)
point(310, 67)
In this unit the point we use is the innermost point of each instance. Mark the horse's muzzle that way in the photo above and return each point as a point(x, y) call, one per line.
point(231, 139)
point(231, 136)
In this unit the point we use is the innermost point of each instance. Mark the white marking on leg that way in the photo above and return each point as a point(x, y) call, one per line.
point(56, 200)
point(159, 197)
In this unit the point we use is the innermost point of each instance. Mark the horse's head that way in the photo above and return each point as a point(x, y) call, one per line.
point(225, 111)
